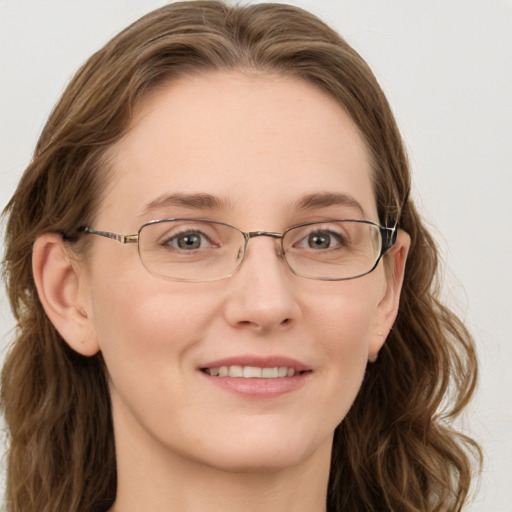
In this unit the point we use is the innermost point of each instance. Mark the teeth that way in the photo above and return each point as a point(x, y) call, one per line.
point(236, 371)
point(270, 373)
point(251, 372)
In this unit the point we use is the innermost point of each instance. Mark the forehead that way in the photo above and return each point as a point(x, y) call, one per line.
point(256, 142)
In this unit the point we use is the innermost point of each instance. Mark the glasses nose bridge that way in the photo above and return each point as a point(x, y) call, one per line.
point(271, 234)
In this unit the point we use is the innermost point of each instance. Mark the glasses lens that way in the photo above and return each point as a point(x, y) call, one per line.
point(190, 250)
point(333, 250)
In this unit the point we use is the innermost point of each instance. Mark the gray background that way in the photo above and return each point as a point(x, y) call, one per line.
point(446, 66)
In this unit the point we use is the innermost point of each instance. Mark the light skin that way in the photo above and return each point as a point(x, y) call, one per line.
point(259, 145)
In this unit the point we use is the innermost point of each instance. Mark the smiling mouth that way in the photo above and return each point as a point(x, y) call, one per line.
point(253, 372)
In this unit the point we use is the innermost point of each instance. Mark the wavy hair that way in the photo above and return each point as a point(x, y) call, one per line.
point(397, 449)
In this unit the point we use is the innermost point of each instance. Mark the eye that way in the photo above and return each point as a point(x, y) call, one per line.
point(321, 239)
point(189, 240)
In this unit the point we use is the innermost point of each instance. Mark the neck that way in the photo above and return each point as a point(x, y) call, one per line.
point(195, 490)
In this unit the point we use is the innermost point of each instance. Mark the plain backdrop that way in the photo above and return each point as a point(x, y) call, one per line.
point(446, 66)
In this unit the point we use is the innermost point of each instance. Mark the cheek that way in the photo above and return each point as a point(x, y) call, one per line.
point(343, 326)
point(344, 316)
point(141, 318)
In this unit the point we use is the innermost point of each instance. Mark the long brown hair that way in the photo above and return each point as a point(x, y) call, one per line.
point(396, 449)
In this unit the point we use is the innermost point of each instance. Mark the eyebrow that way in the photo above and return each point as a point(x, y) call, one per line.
point(326, 199)
point(192, 201)
point(208, 202)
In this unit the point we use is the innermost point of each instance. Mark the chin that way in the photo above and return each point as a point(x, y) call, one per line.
point(265, 454)
point(258, 462)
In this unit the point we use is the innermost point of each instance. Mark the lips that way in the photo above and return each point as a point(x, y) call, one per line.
point(257, 377)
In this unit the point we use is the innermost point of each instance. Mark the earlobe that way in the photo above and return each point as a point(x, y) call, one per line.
point(60, 290)
point(388, 305)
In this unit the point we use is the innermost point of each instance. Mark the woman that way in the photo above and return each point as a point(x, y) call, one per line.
point(251, 157)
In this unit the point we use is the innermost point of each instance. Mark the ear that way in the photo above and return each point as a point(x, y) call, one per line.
point(387, 308)
point(60, 286)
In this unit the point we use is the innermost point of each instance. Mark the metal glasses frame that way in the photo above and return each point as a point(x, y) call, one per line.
point(388, 239)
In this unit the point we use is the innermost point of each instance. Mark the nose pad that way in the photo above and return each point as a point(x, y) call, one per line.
point(279, 250)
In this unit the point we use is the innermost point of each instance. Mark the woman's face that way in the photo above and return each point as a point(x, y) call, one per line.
point(259, 152)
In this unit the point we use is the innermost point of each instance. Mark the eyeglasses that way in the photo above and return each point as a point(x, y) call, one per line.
point(197, 250)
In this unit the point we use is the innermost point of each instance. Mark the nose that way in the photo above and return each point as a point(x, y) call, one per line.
point(263, 290)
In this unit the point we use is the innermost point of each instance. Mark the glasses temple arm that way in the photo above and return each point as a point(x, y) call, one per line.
point(124, 239)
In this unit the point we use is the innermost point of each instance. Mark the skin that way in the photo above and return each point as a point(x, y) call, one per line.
point(258, 143)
